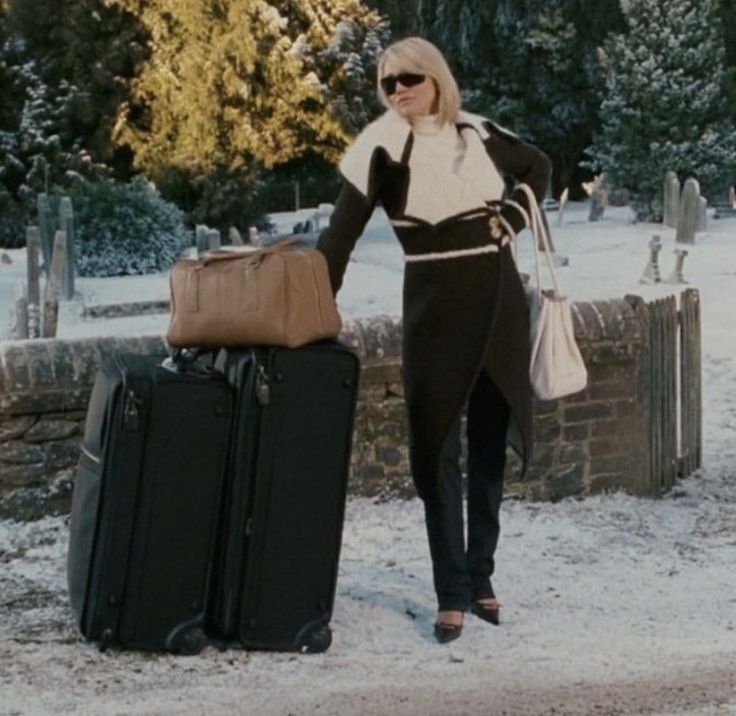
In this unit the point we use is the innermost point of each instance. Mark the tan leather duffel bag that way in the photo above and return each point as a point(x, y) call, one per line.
point(273, 295)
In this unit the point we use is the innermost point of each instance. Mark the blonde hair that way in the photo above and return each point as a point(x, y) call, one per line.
point(415, 54)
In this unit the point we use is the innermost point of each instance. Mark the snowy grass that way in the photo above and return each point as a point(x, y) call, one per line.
point(612, 604)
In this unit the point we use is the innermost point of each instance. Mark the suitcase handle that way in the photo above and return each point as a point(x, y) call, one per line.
point(182, 360)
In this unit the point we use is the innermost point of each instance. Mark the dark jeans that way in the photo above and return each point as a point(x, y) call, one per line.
point(462, 575)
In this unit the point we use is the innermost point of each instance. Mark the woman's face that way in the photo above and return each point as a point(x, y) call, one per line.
point(411, 101)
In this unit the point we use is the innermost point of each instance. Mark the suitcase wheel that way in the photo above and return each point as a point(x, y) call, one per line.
point(105, 640)
point(314, 638)
point(189, 642)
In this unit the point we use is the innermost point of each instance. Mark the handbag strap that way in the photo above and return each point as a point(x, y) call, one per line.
point(257, 254)
point(540, 235)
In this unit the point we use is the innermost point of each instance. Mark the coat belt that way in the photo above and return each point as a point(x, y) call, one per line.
point(458, 253)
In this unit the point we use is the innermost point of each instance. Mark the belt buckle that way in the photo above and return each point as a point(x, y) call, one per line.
point(494, 223)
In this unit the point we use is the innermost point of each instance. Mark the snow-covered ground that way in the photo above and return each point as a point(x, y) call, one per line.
point(611, 605)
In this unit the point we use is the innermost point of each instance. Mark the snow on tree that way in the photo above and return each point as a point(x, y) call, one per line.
point(36, 151)
point(530, 65)
point(664, 104)
point(544, 82)
point(233, 83)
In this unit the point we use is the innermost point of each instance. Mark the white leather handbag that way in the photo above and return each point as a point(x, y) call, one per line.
point(556, 368)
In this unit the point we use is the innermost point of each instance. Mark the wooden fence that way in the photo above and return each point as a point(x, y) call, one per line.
point(674, 386)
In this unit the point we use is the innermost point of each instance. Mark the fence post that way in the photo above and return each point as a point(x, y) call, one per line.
point(669, 407)
point(691, 431)
point(47, 226)
point(33, 248)
point(55, 278)
point(66, 224)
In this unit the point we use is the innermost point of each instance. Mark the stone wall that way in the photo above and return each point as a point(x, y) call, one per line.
point(589, 442)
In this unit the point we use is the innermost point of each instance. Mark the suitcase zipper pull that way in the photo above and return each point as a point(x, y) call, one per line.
point(130, 410)
point(263, 389)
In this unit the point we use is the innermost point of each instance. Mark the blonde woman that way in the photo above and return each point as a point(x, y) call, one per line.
point(441, 175)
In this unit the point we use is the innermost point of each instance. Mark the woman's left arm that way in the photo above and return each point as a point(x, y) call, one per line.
point(526, 164)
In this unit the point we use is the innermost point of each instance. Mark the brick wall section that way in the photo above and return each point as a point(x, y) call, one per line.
point(586, 443)
point(44, 388)
point(593, 441)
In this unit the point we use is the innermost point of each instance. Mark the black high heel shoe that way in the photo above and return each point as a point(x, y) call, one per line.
point(487, 611)
point(445, 633)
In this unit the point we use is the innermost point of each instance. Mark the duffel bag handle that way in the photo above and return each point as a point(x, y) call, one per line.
point(256, 254)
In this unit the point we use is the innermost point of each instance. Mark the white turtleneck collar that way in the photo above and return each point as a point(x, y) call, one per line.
point(427, 124)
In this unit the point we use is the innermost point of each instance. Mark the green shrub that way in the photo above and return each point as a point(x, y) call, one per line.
point(123, 229)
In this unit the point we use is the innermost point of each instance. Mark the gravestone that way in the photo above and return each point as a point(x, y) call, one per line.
point(701, 225)
point(687, 219)
point(201, 234)
point(214, 239)
point(563, 203)
point(671, 199)
point(47, 226)
point(234, 235)
point(53, 286)
point(724, 209)
point(598, 197)
point(253, 236)
point(66, 224)
point(33, 280)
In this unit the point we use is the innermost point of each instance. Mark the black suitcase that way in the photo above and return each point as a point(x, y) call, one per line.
point(145, 504)
point(289, 460)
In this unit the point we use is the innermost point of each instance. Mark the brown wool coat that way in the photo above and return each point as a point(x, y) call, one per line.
point(460, 315)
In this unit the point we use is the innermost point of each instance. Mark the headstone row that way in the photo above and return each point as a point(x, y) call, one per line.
point(684, 210)
point(49, 250)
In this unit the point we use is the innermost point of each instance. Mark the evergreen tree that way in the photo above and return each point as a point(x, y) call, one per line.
point(531, 66)
point(664, 105)
point(37, 152)
point(401, 15)
point(234, 86)
point(728, 17)
point(61, 73)
point(94, 48)
point(544, 83)
point(229, 83)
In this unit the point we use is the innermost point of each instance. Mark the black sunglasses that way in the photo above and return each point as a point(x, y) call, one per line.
point(407, 79)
